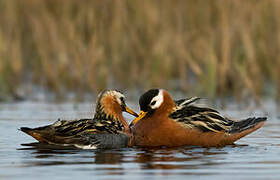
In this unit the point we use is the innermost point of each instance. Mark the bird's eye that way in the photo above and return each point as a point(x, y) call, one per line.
point(122, 99)
point(153, 103)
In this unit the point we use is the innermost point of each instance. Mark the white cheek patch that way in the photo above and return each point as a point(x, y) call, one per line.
point(119, 101)
point(158, 99)
point(118, 97)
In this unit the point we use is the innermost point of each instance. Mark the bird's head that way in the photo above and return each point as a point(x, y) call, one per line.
point(112, 104)
point(152, 101)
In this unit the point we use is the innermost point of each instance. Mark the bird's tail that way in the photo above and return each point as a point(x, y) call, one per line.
point(27, 130)
point(244, 127)
point(34, 132)
point(247, 124)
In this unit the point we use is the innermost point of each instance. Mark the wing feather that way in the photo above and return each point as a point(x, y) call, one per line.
point(84, 126)
point(204, 119)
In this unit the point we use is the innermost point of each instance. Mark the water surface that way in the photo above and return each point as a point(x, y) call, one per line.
point(256, 156)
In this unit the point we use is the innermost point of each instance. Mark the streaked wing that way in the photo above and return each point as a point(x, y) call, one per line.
point(187, 101)
point(204, 119)
point(83, 126)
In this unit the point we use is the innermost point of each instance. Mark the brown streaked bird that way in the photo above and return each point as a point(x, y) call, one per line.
point(108, 128)
point(164, 122)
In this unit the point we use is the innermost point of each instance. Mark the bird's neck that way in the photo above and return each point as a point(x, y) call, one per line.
point(114, 119)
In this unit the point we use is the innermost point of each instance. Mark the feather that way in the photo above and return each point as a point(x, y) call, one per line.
point(204, 119)
point(207, 119)
point(184, 102)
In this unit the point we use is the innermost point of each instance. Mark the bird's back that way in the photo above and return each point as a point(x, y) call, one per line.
point(83, 133)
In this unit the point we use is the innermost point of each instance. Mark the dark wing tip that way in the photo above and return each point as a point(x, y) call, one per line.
point(25, 129)
point(261, 119)
point(243, 125)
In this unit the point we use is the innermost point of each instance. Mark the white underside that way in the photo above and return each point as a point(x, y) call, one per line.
point(86, 147)
point(91, 146)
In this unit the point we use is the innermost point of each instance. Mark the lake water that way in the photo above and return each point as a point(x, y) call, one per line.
point(256, 156)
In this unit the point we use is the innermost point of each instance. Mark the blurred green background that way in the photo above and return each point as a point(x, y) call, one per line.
point(212, 48)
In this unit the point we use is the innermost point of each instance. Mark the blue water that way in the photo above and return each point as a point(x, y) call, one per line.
point(256, 156)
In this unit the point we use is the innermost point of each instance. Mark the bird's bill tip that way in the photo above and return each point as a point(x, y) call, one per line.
point(130, 111)
point(140, 116)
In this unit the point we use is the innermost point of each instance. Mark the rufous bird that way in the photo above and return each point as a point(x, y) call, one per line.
point(165, 122)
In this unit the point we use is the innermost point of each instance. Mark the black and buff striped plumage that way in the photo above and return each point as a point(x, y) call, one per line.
point(207, 119)
point(108, 128)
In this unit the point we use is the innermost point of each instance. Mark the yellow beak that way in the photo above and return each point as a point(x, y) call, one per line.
point(130, 111)
point(141, 116)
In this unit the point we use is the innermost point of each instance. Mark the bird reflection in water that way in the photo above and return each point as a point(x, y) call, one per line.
point(176, 158)
point(108, 156)
point(51, 152)
point(138, 158)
